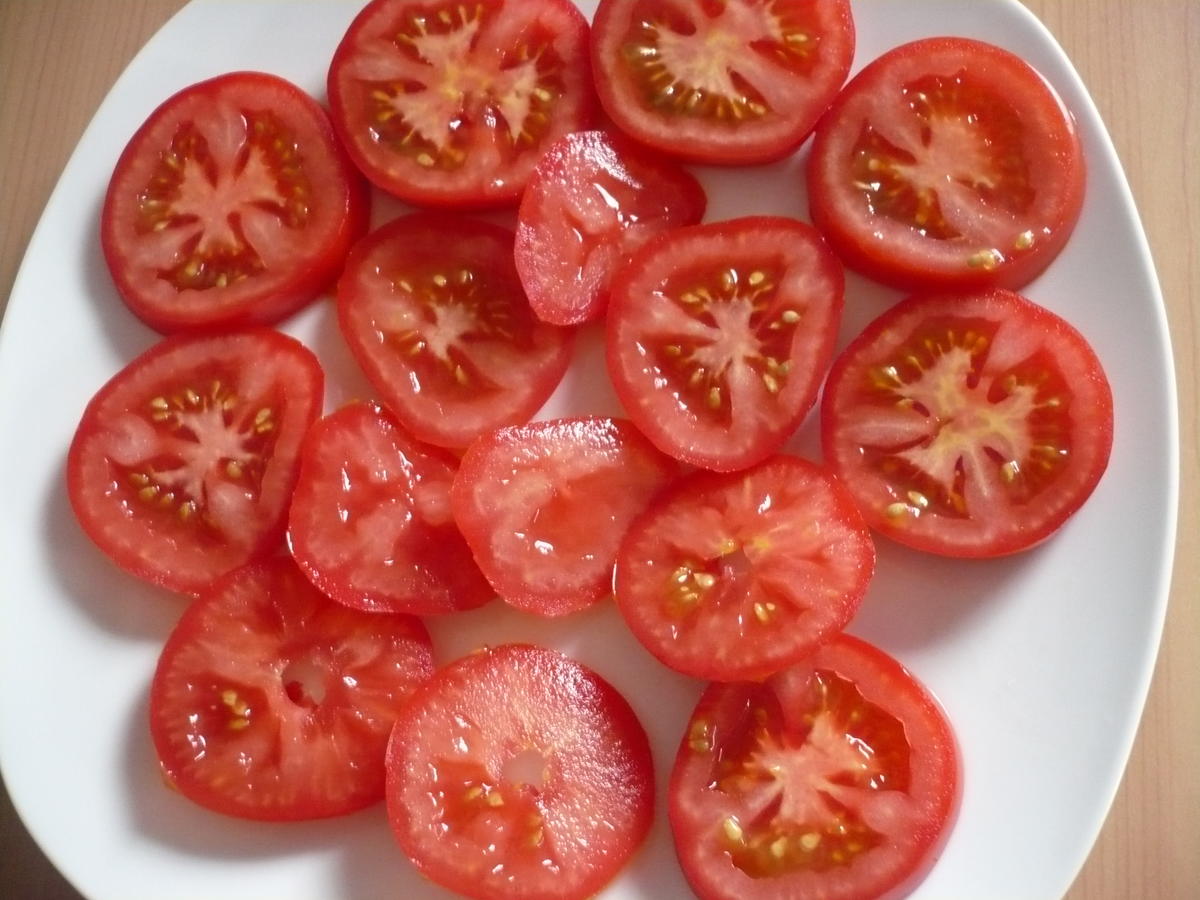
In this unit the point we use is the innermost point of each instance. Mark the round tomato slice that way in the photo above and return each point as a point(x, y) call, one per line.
point(594, 199)
point(370, 520)
point(518, 774)
point(183, 464)
point(719, 336)
point(836, 778)
point(968, 425)
point(947, 164)
point(544, 507)
point(272, 702)
point(233, 204)
point(735, 576)
point(741, 81)
point(445, 103)
point(433, 311)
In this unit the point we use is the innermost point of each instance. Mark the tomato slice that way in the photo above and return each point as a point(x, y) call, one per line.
point(968, 425)
point(734, 576)
point(433, 311)
point(272, 702)
point(518, 774)
point(233, 204)
point(183, 464)
point(445, 103)
point(947, 164)
point(836, 778)
point(593, 199)
point(740, 81)
point(719, 336)
point(544, 507)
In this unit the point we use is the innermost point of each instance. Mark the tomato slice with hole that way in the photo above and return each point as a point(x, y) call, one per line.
point(835, 778)
point(233, 204)
point(272, 702)
point(968, 425)
point(544, 506)
point(731, 576)
point(434, 312)
point(593, 199)
point(947, 164)
point(183, 464)
point(719, 336)
point(735, 82)
point(518, 774)
point(451, 104)
point(370, 521)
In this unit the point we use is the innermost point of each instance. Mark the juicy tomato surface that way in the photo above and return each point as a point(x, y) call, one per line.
point(742, 81)
point(518, 774)
point(968, 425)
point(370, 521)
point(945, 164)
point(836, 778)
point(593, 199)
point(433, 310)
point(183, 464)
point(719, 336)
point(233, 204)
point(444, 103)
point(544, 506)
point(272, 702)
point(734, 576)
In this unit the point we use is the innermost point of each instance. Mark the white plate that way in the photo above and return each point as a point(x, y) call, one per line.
point(1042, 661)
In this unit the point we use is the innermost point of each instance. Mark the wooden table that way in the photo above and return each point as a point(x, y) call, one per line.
point(1141, 61)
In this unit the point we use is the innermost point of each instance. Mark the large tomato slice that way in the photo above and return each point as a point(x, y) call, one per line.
point(518, 774)
point(445, 103)
point(968, 425)
point(836, 778)
point(272, 702)
point(233, 204)
point(947, 164)
point(183, 464)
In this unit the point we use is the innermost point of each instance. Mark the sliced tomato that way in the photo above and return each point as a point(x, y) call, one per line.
point(836, 778)
point(544, 506)
point(734, 576)
point(968, 425)
point(593, 199)
point(272, 702)
point(444, 103)
point(947, 163)
point(183, 464)
point(233, 204)
point(518, 774)
point(433, 311)
point(740, 81)
point(719, 336)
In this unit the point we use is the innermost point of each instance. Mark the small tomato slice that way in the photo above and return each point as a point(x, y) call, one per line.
point(518, 774)
point(968, 425)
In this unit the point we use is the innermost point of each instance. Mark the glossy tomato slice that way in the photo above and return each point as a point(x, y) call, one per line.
point(233, 204)
point(836, 778)
point(183, 464)
point(719, 336)
point(947, 164)
point(968, 425)
point(444, 103)
point(593, 199)
point(734, 576)
point(545, 505)
point(433, 311)
point(272, 702)
point(370, 521)
point(518, 774)
point(741, 81)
